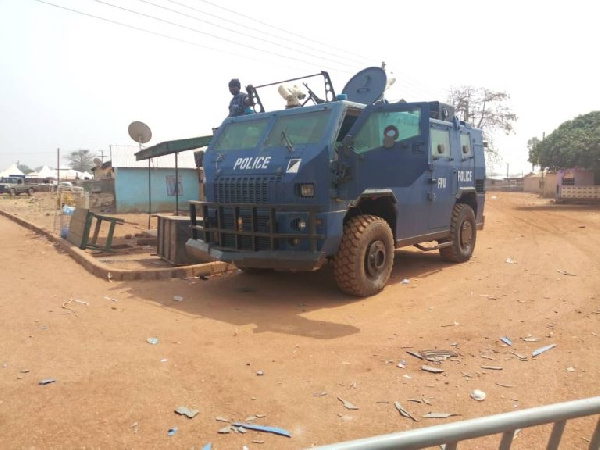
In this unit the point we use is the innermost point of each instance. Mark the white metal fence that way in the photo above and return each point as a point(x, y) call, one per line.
point(453, 433)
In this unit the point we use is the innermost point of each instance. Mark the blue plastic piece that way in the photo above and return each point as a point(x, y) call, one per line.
point(539, 351)
point(172, 431)
point(47, 381)
point(274, 430)
point(506, 340)
point(207, 446)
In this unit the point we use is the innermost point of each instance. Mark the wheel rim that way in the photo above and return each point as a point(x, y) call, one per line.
point(466, 235)
point(375, 258)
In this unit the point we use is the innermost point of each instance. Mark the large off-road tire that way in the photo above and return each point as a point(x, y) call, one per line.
point(30, 191)
point(463, 234)
point(363, 263)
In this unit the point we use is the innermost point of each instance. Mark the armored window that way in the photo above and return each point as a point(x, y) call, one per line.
point(371, 134)
point(465, 146)
point(241, 135)
point(298, 129)
point(440, 143)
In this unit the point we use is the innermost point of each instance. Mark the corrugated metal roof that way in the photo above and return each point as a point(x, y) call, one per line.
point(124, 156)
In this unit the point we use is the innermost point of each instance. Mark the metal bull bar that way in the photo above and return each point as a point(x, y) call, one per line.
point(451, 434)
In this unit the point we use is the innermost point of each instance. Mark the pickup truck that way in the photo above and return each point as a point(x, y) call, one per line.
point(16, 186)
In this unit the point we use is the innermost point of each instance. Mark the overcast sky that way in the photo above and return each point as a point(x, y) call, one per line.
point(76, 82)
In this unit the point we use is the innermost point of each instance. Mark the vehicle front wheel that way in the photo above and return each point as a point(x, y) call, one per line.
point(363, 263)
point(12, 192)
point(30, 191)
point(463, 233)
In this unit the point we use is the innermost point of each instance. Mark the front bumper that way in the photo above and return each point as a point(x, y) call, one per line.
point(256, 235)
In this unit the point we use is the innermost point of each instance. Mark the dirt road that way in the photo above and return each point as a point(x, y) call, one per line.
point(115, 390)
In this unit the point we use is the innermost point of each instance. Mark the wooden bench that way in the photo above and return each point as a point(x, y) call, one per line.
point(81, 225)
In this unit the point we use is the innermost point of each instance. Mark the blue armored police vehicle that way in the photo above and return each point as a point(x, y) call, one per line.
point(347, 180)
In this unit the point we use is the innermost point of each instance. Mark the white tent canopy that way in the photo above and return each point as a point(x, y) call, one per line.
point(12, 171)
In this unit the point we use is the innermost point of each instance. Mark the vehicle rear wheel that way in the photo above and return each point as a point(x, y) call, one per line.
point(363, 263)
point(30, 191)
point(12, 192)
point(463, 234)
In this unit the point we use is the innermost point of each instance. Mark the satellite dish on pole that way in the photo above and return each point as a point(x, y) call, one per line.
point(367, 86)
point(139, 132)
point(97, 162)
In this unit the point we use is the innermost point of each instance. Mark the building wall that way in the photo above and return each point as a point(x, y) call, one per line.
point(550, 184)
point(131, 189)
point(531, 184)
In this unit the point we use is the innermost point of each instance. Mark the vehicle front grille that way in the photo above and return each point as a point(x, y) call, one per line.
point(245, 189)
point(480, 185)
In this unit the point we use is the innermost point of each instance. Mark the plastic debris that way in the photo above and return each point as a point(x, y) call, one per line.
point(510, 261)
point(506, 340)
point(405, 281)
point(110, 299)
point(415, 354)
point(224, 430)
point(274, 430)
point(260, 373)
point(221, 419)
point(207, 446)
point(25, 371)
point(404, 412)
point(164, 360)
point(46, 381)
point(178, 298)
point(492, 367)
point(531, 339)
point(134, 425)
point(183, 411)
point(347, 404)
point(539, 351)
point(408, 377)
point(82, 302)
point(570, 369)
point(520, 356)
point(432, 369)
point(152, 341)
point(172, 431)
point(564, 272)
point(433, 415)
point(505, 385)
point(257, 441)
point(478, 395)
point(320, 394)
point(438, 355)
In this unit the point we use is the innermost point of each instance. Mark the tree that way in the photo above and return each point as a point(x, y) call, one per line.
point(533, 150)
point(81, 160)
point(485, 109)
point(575, 143)
point(24, 168)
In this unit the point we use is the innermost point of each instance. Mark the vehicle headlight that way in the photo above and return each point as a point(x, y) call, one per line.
point(307, 190)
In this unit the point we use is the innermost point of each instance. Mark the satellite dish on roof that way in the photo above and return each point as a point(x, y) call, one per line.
point(98, 162)
point(367, 86)
point(139, 132)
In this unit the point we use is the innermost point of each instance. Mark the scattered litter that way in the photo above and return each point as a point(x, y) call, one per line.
point(25, 371)
point(274, 430)
point(178, 298)
point(520, 356)
point(110, 299)
point(152, 341)
point(405, 281)
point(564, 272)
point(183, 411)
point(109, 277)
point(539, 351)
point(251, 418)
point(570, 369)
point(415, 400)
point(404, 412)
point(431, 369)
point(260, 416)
point(487, 357)
point(320, 394)
point(224, 430)
point(347, 404)
point(401, 365)
point(492, 367)
point(221, 419)
point(453, 324)
point(260, 373)
point(134, 425)
point(207, 446)
point(433, 415)
point(82, 302)
point(415, 354)
point(408, 377)
point(354, 385)
point(478, 395)
point(506, 385)
point(4, 366)
point(258, 442)
point(494, 197)
point(531, 339)
point(437, 355)
point(506, 340)
point(510, 261)
point(172, 431)
point(164, 360)
point(489, 297)
point(47, 381)
point(241, 430)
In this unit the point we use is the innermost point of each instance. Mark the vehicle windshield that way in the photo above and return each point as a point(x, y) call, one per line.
point(371, 134)
point(298, 129)
point(241, 135)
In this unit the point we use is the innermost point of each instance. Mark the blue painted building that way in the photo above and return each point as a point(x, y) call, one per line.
point(134, 179)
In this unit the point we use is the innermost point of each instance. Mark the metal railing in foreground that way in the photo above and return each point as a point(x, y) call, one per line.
point(451, 434)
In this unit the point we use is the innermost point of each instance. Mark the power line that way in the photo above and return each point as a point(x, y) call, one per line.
point(133, 27)
point(278, 28)
point(277, 36)
point(149, 16)
point(239, 32)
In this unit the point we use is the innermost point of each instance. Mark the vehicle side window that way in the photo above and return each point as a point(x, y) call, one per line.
point(371, 134)
point(465, 146)
point(440, 143)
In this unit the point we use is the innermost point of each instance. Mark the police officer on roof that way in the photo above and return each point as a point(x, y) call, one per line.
point(240, 100)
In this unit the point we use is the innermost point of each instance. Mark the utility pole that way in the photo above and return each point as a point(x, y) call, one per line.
point(102, 155)
point(507, 170)
point(57, 168)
